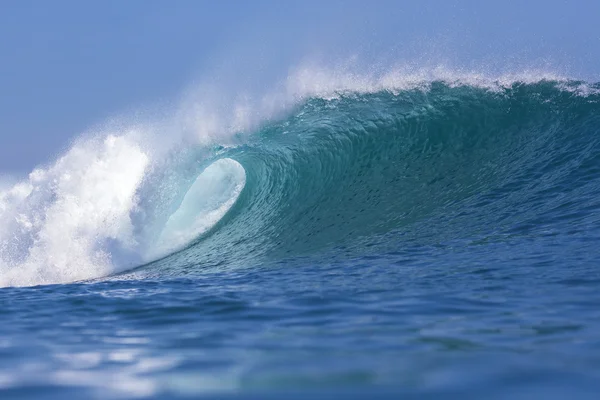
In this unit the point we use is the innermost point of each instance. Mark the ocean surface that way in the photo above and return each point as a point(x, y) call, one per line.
point(379, 238)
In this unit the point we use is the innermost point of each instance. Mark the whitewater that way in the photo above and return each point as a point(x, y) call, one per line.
point(397, 232)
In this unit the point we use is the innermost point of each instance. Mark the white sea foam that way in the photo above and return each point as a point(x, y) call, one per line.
point(52, 224)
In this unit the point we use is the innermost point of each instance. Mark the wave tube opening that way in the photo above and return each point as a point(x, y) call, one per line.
point(209, 198)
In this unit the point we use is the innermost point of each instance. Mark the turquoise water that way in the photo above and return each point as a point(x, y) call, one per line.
point(434, 240)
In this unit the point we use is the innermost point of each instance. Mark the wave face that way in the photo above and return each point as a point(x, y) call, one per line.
point(379, 172)
point(346, 172)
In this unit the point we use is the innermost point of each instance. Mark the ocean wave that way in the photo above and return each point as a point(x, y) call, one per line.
point(330, 164)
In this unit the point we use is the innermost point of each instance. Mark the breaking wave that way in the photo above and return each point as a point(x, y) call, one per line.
point(331, 165)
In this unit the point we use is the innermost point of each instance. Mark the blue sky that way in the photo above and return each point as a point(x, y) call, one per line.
point(67, 65)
